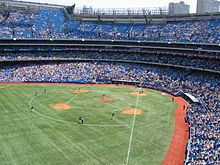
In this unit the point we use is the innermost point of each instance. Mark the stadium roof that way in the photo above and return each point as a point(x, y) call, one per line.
point(116, 3)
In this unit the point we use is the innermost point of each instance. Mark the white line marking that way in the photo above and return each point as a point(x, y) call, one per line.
point(68, 122)
point(33, 99)
point(3, 87)
point(132, 131)
point(72, 98)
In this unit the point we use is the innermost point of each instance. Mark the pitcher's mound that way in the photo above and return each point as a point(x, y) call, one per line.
point(137, 94)
point(81, 91)
point(133, 111)
point(61, 106)
point(105, 99)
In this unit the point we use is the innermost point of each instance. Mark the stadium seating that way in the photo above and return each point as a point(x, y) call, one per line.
point(51, 23)
point(152, 57)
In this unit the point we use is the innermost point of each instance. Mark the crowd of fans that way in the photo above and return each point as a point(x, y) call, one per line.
point(36, 23)
point(52, 23)
point(205, 131)
point(16, 25)
point(186, 61)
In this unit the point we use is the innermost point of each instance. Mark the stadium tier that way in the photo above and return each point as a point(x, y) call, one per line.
point(181, 60)
point(52, 23)
point(47, 54)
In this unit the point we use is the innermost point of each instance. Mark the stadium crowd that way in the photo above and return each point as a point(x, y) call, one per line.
point(187, 61)
point(205, 131)
point(52, 23)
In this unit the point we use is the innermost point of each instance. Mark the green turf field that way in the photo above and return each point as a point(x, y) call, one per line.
point(48, 136)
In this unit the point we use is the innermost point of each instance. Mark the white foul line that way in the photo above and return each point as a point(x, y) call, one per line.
point(72, 98)
point(3, 87)
point(132, 131)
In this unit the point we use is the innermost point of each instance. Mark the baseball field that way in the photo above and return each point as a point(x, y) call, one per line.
point(39, 125)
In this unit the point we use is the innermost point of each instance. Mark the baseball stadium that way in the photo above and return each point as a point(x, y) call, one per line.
point(87, 86)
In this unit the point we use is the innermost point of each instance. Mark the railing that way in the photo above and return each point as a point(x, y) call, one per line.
point(188, 147)
point(121, 11)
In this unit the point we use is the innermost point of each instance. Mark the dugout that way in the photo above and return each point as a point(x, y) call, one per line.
point(189, 98)
point(124, 82)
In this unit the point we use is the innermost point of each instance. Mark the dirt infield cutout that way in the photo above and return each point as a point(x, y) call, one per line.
point(61, 106)
point(81, 91)
point(132, 111)
point(137, 94)
point(105, 99)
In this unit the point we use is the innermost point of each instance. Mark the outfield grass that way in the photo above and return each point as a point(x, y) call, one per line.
point(52, 136)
